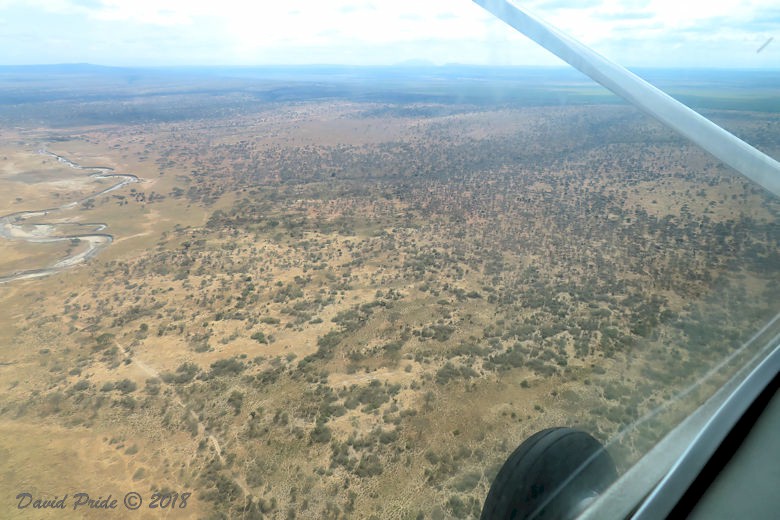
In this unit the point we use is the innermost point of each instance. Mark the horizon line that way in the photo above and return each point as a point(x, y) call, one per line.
point(410, 65)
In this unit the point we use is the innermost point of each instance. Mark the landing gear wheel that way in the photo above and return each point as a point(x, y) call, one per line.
point(569, 462)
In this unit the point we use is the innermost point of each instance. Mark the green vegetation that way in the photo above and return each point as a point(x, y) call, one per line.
point(330, 289)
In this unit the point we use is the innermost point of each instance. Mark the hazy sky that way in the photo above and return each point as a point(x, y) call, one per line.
point(718, 33)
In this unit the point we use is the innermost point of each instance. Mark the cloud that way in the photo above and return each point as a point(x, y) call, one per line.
point(634, 32)
point(768, 20)
point(352, 8)
point(549, 5)
point(631, 15)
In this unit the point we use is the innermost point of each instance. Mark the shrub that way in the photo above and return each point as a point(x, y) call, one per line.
point(320, 433)
point(369, 466)
point(185, 373)
point(228, 367)
point(125, 386)
point(236, 399)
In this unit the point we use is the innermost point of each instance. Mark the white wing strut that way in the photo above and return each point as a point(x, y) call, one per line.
point(753, 164)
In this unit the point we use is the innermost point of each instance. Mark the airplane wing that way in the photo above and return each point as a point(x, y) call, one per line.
point(753, 164)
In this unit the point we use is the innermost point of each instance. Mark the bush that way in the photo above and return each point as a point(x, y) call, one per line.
point(125, 386)
point(437, 332)
point(369, 466)
point(388, 437)
point(185, 373)
point(320, 433)
point(449, 372)
point(468, 481)
point(103, 341)
point(236, 399)
point(230, 366)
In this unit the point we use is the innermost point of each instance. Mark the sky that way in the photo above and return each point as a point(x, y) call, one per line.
point(635, 33)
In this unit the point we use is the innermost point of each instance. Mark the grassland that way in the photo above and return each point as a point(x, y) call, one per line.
point(341, 306)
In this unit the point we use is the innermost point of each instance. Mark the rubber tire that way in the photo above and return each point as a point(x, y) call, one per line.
point(539, 466)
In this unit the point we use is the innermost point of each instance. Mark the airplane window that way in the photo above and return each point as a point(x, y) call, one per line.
point(339, 260)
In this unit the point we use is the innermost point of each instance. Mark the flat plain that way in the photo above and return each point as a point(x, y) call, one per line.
point(353, 295)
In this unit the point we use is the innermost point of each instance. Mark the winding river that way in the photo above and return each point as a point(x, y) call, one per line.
point(18, 226)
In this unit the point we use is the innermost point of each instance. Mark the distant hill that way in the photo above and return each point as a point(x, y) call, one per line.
point(60, 68)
